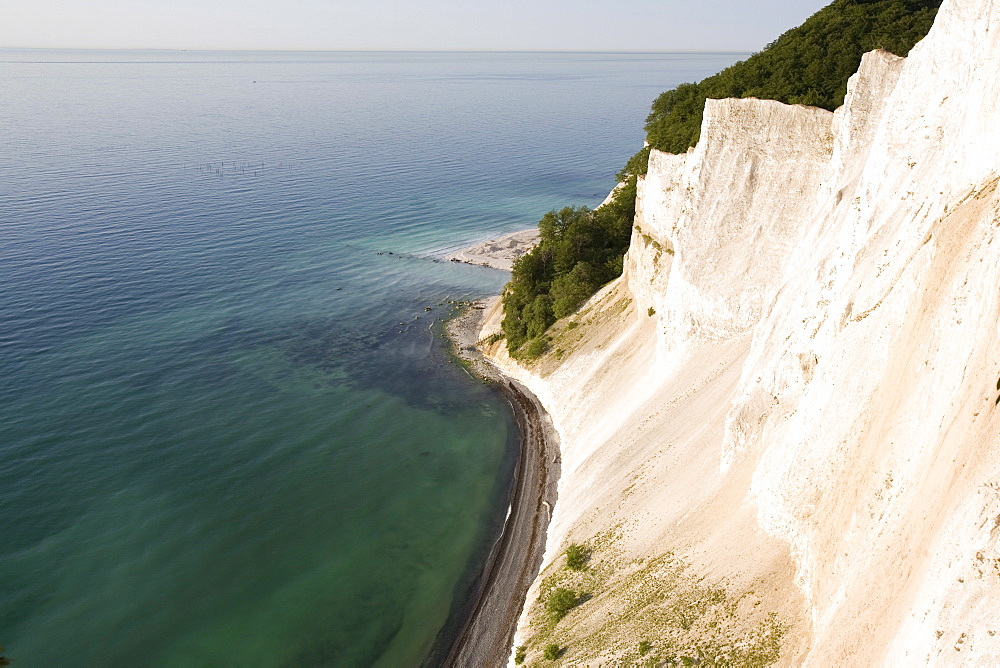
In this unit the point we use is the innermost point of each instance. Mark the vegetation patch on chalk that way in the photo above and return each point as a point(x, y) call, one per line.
point(576, 557)
point(647, 612)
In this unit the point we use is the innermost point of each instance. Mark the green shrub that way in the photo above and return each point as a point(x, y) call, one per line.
point(560, 602)
point(552, 652)
point(576, 557)
point(644, 647)
point(520, 655)
point(534, 349)
point(651, 311)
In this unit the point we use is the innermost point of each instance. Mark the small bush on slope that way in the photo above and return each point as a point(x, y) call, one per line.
point(576, 557)
point(561, 600)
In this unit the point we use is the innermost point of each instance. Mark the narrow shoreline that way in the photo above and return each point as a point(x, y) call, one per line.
point(486, 634)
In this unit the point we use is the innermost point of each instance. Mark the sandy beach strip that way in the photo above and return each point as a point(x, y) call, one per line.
point(487, 632)
point(498, 253)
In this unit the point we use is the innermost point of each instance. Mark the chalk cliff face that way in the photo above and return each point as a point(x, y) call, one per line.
point(792, 390)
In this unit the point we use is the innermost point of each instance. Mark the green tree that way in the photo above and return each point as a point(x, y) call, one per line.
point(571, 289)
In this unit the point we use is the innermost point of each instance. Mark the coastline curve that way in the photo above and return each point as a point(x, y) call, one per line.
point(486, 634)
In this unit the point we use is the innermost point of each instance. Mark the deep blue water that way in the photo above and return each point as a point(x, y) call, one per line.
point(229, 432)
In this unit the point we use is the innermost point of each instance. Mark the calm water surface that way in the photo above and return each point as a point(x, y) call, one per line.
point(229, 433)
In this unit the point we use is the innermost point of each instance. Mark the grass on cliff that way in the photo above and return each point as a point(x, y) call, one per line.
point(649, 612)
point(581, 249)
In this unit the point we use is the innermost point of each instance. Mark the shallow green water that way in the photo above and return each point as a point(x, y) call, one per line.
point(229, 432)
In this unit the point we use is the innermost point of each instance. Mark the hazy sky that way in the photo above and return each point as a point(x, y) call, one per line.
point(633, 25)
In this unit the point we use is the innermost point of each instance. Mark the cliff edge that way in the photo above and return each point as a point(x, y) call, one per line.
point(780, 428)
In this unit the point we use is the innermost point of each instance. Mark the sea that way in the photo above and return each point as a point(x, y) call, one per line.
point(230, 431)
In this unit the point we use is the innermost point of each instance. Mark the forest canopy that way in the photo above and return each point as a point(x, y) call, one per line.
point(581, 249)
point(807, 65)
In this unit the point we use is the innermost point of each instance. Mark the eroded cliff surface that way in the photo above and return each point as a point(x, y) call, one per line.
point(780, 430)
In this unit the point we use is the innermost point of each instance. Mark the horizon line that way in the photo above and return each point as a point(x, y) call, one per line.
point(269, 50)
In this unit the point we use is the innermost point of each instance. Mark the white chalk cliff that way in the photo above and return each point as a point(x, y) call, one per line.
point(793, 387)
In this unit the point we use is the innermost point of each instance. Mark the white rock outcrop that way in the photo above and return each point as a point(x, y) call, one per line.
point(795, 382)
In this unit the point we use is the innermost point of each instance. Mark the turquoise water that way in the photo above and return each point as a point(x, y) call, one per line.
point(229, 431)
